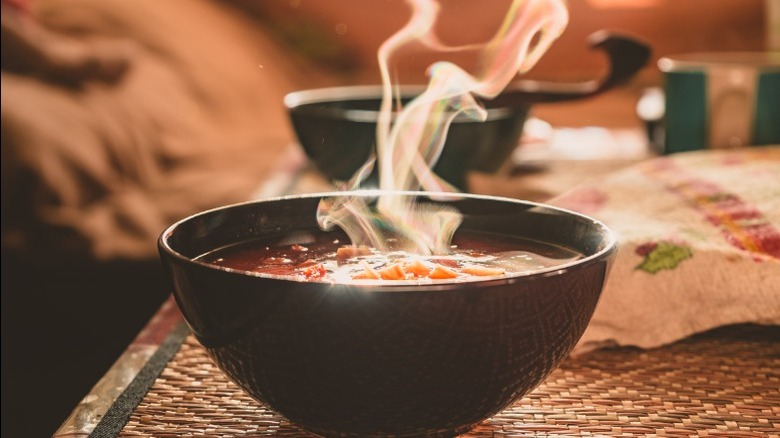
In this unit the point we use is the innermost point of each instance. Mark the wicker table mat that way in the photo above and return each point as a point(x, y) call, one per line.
point(722, 383)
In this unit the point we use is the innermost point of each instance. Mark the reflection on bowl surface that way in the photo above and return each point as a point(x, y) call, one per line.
point(429, 359)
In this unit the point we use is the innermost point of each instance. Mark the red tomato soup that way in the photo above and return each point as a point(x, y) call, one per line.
point(321, 256)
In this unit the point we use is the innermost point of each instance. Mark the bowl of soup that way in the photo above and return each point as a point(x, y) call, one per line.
point(345, 341)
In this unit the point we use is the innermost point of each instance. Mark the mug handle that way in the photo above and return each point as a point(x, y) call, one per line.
point(731, 98)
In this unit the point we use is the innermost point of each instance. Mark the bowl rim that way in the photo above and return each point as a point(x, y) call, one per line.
point(610, 245)
point(299, 101)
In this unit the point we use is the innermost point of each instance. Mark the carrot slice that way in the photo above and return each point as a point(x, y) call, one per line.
point(440, 272)
point(417, 267)
point(482, 271)
point(347, 252)
point(368, 273)
point(393, 272)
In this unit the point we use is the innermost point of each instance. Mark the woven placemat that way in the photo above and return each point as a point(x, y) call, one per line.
point(722, 383)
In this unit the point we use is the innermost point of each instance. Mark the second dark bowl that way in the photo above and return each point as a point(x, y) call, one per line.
point(337, 129)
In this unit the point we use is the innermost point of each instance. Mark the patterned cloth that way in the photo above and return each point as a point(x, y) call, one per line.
point(699, 245)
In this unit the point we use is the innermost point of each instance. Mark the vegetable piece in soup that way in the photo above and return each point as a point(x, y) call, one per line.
point(328, 256)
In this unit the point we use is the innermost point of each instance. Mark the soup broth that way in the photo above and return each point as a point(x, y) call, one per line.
point(328, 256)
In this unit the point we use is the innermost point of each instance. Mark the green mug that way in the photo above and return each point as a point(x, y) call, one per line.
point(721, 100)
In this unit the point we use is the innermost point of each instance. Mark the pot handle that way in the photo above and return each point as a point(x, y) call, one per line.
point(626, 56)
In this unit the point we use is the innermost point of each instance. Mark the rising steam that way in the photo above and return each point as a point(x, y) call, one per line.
point(410, 142)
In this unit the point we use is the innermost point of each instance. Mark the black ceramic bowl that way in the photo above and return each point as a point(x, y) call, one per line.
point(336, 127)
point(387, 360)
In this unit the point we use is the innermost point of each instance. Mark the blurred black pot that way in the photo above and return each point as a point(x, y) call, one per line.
point(337, 126)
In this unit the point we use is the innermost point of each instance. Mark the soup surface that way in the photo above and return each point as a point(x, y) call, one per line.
point(321, 256)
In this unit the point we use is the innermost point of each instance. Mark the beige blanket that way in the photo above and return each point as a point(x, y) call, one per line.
point(128, 115)
point(699, 245)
